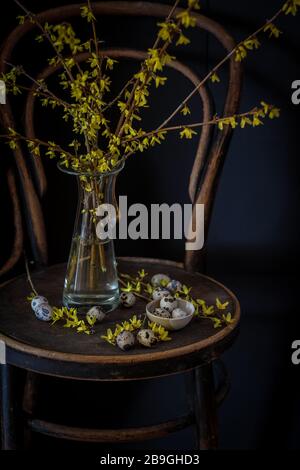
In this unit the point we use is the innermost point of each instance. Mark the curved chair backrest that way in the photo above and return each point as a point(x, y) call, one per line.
point(209, 156)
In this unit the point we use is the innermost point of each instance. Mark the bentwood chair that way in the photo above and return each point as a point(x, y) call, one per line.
point(28, 344)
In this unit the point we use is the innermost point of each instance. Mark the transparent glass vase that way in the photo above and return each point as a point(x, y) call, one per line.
point(91, 277)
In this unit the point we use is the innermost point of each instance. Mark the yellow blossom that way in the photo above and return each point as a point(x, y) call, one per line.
point(215, 78)
point(185, 110)
point(274, 113)
point(87, 13)
point(240, 53)
point(217, 322)
point(186, 19)
point(187, 133)
point(228, 318)
point(142, 273)
point(135, 322)
point(110, 63)
point(220, 305)
point(109, 337)
point(182, 40)
point(291, 7)
point(160, 81)
point(256, 121)
point(208, 310)
point(244, 121)
point(160, 332)
point(194, 4)
point(273, 30)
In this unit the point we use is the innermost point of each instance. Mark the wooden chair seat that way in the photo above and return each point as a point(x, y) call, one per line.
point(55, 350)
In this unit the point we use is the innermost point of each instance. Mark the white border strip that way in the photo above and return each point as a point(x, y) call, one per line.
point(2, 352)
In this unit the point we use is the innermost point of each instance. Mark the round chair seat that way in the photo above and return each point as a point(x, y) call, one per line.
point(55, 350)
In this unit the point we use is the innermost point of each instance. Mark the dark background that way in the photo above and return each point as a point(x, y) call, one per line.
point(252, 244)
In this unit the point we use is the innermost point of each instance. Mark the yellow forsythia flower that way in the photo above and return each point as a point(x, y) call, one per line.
point(221, 306)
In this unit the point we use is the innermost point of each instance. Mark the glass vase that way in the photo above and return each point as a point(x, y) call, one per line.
point(91, 277)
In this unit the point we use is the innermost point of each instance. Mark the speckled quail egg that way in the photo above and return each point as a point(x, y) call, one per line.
point(157, 279)
point(43, 312)
point(161, 312)
point(37, 301)
point(96, 312)
point(168, 303)
point(127, 299)
point(178, 313)
point(146, 338)
point(159, 293)
point(125, 340)
point(174, 286)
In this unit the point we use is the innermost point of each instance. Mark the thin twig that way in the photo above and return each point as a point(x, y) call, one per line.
point(29, 276)
point(111, 103)
point(135, 293)
point(95, 40)
point(215, 69)
point(131, 104)
point(47, 35)
point(215, 120)
point(56, 148)
point(130, 278)
point(44, 89)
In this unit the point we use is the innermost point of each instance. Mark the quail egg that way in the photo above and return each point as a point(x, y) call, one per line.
point(96, 312)
point(146, 338)
point(178, 313)
point(43, 312)
point(162, 313)
point(159, 293)
point(157, 280)
point(37, 301)
point(127, 299)
point(168, 303)
point(174, 286)
point(125, 340)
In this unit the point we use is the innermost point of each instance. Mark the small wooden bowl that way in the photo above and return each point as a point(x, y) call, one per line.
point(171, 323)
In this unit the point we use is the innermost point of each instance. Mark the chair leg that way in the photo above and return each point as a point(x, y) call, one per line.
point(8, 425)
point(29, 405)
point(205, 408)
